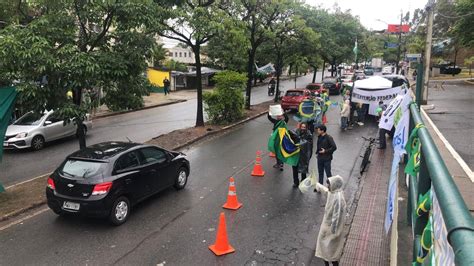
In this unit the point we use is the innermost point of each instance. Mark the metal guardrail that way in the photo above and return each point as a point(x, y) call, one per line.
point(434, 173)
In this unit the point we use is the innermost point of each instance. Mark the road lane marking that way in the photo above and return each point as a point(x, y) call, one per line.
point(23, 219)
point(450, 148)
point(26, 181)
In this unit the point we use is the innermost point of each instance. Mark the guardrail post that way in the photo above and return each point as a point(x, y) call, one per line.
point(419, 84)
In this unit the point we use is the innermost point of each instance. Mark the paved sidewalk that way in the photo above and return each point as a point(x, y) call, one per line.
point(367, 243)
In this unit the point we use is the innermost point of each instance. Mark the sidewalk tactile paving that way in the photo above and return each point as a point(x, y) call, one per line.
point(366, 242)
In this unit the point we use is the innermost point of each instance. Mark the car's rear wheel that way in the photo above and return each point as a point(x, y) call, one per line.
point(181, 179)
point(120, 211)
point(37, 143)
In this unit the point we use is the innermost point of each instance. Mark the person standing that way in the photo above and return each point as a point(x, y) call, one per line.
point(330, 242)
point(325, 148)
point(345, 112)
point(305, 139)
point(166, 85)
point(284, 116)
point(382, 131)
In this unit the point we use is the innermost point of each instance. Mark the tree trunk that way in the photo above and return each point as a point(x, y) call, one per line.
point(455, 58)
point(296, 73)
point(314, 74)
point(248, 90)
point(278, 74)
point(199, 114)
point(333, 66)
point(77, 99)
point(324, 68)
point(290, 69)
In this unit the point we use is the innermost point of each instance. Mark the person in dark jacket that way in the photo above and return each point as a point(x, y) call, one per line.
point(303, 136)
point(279, 164)
point(325, 148)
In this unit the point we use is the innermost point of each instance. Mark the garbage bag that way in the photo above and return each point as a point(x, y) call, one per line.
point(309, 183)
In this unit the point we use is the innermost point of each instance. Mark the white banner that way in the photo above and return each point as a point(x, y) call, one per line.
point(400, 138)
point(392, 192)
point(443, 252)
point(397, 107)
point(374, 96)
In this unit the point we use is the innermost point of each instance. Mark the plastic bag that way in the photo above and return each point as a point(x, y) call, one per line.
point(308, 184)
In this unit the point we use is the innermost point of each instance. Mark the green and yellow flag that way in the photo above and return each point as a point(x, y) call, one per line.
point(283, 146)
point(413, 148)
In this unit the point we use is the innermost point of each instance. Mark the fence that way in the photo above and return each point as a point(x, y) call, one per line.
point(448, 205)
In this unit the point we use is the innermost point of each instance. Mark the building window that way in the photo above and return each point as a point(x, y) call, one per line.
point(171, 54)
point(185, 54)
point(175, 54)
point(180, 54)
point(190, 54)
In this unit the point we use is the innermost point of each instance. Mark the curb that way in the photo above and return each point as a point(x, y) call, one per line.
point(469, 82)
point(136, 110)
point(41, 203)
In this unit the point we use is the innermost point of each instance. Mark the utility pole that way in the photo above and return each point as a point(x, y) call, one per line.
point(430, 8)
point(399, 41)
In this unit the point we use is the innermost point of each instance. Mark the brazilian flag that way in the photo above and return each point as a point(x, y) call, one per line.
point(424, 203)
point(283, 146)
point(413, 148)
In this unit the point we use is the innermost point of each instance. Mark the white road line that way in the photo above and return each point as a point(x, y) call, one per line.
point(26, 181)
point(450, 148)
point(24, 219)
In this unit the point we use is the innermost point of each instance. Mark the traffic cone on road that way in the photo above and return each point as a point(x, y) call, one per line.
point(257, 168)
point(221, 246)
point(271, 154)
point(232, 201)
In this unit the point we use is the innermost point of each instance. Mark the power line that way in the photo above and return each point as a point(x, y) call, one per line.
point(460, 16)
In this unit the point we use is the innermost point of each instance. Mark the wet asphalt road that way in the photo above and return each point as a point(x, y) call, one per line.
point(454, 115)
point(277, 224)
point(138, 126)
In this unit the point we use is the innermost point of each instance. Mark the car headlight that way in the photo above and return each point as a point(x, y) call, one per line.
point(21, 135)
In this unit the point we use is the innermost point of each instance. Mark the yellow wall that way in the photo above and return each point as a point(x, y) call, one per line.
point(156, 77)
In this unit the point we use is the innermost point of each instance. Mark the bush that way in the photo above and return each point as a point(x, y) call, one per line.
point(226, 103)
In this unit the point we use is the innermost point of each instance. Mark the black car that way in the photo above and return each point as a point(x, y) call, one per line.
point(332, 84)
point(397, 80)
point(107, 179)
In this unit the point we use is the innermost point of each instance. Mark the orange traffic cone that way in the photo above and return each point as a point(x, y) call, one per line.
point(232, 201)
point(271, 154)
point(257, 169)
point(221, 246)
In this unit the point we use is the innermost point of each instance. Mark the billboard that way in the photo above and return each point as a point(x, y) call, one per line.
point(396, 28)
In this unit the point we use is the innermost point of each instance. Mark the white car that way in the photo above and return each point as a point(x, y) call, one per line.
point(33, 130)
point(387, 70)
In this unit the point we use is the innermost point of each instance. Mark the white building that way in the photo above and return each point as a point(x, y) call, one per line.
point(180, 54)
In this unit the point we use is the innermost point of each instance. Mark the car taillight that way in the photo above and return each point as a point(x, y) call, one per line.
point(102, 188)
point(51, 183)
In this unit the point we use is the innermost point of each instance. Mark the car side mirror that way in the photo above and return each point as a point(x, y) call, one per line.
point(47, 123)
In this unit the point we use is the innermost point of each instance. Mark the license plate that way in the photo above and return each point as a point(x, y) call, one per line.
point(71, 205)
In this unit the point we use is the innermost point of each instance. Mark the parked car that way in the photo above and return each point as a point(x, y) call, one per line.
point(332, 85)
point(109, 178)
point(315, 88)
point(397, 80)
point(346, 79)
point(368, 71)
point(293, 98)
point(387, 70)
point(33, 130)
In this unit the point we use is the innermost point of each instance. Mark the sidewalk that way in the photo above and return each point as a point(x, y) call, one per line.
point(367, 243)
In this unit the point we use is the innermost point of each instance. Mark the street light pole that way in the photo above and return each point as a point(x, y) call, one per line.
point(399, 41)
point(429, 36)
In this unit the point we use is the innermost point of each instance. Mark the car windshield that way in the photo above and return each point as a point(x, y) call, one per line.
point(79, 169)
point(329, 81)
point(294, 93)
point(313, 87)
point(29, 119)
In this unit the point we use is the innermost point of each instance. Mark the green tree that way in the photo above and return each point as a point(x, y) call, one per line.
point(73, 45)
point(463, 27)
point(226, 103)
point(175, 65)
point(193, 23)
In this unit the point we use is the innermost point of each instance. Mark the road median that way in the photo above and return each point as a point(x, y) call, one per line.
point(28, 195)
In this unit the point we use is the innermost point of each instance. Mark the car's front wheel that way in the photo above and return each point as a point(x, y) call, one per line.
point(120, 211)
point(37, 143)
point(181, 179)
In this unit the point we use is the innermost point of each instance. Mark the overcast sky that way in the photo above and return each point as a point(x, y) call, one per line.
point(370, 11)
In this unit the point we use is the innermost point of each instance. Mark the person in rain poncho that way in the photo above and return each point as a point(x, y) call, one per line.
point(330, 241)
